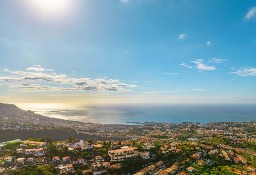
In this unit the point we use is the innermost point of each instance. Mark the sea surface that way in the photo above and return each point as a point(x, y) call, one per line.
point(174, 113)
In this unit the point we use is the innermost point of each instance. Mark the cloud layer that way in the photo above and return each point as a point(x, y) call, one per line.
point(251, 13)
point(246, 72)
point(200, 65)
point(39, 78)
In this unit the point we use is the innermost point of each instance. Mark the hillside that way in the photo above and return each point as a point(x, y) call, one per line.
point(11, 113)
point(17, 123)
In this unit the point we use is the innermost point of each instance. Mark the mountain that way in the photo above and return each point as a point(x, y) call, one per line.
point(17, 123)
point(10, 113)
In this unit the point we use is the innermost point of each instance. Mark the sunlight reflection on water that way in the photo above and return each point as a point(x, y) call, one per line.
point(121, 114)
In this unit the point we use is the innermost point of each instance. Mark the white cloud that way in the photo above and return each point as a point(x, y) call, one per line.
point(182, 36)
point(251, 13)
point(217, 60)
point(209, 43)
point(42, 80)
point(186, 65)
point(37, 69)
point(246, 72)
point(124, 1)
point(202, 66)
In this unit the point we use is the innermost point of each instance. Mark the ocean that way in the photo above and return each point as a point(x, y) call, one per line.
point(173, 113)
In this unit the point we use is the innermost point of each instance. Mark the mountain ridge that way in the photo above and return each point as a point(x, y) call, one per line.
point(10, 112)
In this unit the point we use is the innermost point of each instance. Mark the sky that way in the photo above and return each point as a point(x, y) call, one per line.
point(127, 51)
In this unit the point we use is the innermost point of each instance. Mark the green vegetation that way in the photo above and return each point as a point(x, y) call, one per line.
point(35, 170)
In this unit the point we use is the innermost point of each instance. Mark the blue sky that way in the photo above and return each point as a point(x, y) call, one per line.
point(128, 50)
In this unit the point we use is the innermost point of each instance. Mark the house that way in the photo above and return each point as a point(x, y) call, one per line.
point(66, 169)
point(20, 161)
point(62, 169)
point(242, 159)
point(98, 159)
point(214, 152)
point(20, 151)
point(40, 160)
point(80, 160)
point(251, 168)
point(116, 166)
point(170, 170)
point(87, 147)
point(106, 164)
point(225, 154)
point(39, 152)
point(144, 155)
point(29, 152)
point(66, 159)
point(2, 171)
point(190, 169)
point(96, 165)
point(56, 159)
point(69, 168)
point(35, 152)
point(30, 160)
point(195, 156)
point(123, 154)
point(98, 145)
point(200, 162)
point(8, 160)
point(79, 144)
point(87, 172)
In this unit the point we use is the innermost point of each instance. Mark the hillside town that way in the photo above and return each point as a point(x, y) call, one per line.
point(187, 148)
point(140, 148)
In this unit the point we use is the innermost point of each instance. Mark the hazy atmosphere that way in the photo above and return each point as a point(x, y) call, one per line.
point(127, 51)
point(127, 87)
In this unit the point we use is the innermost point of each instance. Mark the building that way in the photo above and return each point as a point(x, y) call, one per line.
point(30, 160)
point(2, 171)
point(20, 161)
point(144, 155)
point(79, 144)
point(8, 159)
point(123, 154)
point(35, 152)
point(99, 159)
point(66, 160)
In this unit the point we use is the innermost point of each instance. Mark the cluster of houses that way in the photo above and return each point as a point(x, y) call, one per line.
point(31, 152)
point(199, 152)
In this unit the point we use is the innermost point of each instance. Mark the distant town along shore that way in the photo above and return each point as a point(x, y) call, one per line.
point(45, 145)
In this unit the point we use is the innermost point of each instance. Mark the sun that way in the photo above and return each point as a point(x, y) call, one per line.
point(50, 7)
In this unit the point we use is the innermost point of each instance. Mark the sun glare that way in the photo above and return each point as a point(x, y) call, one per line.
point(50, 7)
